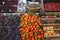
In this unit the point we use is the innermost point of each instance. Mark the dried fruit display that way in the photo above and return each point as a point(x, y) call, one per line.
point(49, 31)
point(9, 27)
point(48, 28)
point(30, 27)
point(35, 8)
point(52, 6)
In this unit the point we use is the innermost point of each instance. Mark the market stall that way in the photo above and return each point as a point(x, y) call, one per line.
point(32, 21)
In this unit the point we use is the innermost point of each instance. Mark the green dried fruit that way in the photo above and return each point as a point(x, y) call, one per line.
point(21, 25)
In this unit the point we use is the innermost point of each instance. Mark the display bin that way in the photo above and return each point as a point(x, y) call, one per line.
point(51, 19)
point(51, 5)
point(9, 27)
point(28, 30)
point(51, 28)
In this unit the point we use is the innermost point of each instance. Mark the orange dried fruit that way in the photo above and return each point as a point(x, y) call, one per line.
point(39, 36)
point(21, 29)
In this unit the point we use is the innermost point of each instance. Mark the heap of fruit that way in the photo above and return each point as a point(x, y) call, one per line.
point(30, 27)
point(49, 31)
point(51, 6)
point(9, 27)
point(48, 28)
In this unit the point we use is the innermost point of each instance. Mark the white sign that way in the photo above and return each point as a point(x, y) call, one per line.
point(21, 6)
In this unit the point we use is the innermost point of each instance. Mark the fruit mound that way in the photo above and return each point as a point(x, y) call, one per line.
point(30, 27)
